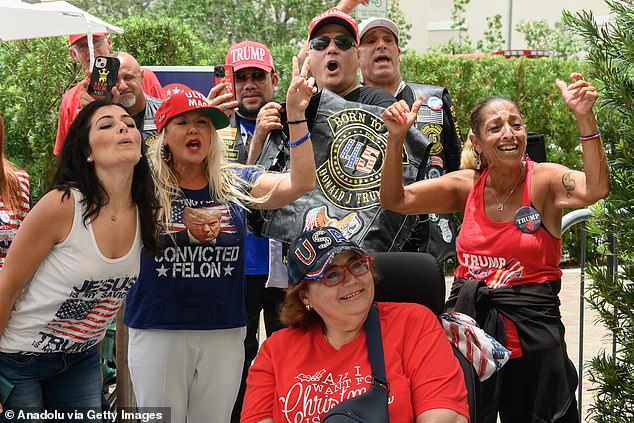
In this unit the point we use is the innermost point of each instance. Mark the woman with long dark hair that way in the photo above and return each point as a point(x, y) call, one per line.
point(73, 261)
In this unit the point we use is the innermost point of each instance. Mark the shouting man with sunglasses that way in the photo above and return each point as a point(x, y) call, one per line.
point(334, 59)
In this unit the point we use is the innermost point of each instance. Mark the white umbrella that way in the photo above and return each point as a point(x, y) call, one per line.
point(47, 18)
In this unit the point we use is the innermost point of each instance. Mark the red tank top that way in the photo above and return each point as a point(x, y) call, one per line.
point(500, 254)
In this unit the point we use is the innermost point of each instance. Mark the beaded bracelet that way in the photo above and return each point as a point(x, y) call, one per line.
point(299, 141)
point(590, 137)
point(296, 122)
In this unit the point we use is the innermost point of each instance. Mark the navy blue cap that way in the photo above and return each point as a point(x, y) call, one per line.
point(313, 251)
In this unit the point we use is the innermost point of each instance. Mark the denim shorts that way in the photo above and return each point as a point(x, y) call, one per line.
point(52, 380)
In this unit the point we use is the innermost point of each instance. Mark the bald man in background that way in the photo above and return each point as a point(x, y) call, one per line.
point(71, 101)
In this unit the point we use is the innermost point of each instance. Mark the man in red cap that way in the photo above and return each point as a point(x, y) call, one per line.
point(257, 115)
point(333, 41)
point(71, 102)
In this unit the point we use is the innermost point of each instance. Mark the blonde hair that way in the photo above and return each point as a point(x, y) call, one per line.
point(469, 156)
point(224, 184)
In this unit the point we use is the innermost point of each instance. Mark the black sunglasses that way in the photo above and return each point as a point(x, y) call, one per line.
point(341, 41)
point(256, 76)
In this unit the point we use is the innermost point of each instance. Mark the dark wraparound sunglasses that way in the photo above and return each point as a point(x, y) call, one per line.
point(341, 41)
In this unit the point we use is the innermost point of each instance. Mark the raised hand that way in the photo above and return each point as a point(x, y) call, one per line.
point(269, 119)
point(300, 90)
point(348, 6)
point(398, 118)
point(580, 96)
point(223, 101)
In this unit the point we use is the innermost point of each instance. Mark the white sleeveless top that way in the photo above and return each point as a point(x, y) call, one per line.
point(73, 296)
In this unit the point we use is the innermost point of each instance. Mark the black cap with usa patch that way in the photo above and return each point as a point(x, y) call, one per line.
point(313, 251)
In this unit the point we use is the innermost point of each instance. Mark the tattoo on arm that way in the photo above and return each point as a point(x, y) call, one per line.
point(569, 184)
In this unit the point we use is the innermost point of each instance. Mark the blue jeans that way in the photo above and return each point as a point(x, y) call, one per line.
point(53, 380)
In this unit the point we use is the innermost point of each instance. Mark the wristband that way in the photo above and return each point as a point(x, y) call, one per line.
point(590, 137)
point(300, 141)
point(296, 122)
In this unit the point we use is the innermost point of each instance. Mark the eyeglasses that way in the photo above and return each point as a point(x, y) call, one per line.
point(336, 274)
point(83, 47)
point(257, 77)
point(341, 41)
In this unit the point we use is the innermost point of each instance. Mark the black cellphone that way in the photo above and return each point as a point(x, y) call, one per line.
point(224, 74)
point(103, 78)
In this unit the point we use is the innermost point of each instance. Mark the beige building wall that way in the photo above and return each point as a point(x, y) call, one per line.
point(431, 20)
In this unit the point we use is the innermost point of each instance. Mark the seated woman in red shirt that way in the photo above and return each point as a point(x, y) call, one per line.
point(303, 371)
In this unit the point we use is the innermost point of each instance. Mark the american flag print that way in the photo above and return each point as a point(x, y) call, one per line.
point(84, 320)
point(483, 351)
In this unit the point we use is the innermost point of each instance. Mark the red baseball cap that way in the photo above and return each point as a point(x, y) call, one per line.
point(334, 16)
point(249, 54)
point(175, 88)
point(76, 37)
point(186, 101)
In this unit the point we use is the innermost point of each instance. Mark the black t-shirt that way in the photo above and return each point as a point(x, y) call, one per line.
point(406, 94)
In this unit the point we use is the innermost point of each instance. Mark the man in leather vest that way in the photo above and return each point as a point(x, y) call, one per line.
point(256, 116)
point(380, 63)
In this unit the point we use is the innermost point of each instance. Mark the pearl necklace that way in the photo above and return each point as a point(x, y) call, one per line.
point(500, 206)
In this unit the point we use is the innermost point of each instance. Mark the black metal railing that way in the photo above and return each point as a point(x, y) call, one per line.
point(581, 217)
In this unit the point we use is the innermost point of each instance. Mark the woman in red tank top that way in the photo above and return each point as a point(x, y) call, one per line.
point(510, 242)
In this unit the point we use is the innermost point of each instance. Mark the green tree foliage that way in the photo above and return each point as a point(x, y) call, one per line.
point(117, 9)
point(493, 38)
point(33, 77)
point(611, 57)
point(459, 22)
point(395, 14)
point(163, 42)
point(540, 35)
point(528, 82)
point(225, 21)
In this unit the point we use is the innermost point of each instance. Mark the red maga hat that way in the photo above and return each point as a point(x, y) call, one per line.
point(186, 101)
point(249, 54)
point(334, 16)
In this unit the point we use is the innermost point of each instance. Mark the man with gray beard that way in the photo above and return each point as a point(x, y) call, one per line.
point(129, 92)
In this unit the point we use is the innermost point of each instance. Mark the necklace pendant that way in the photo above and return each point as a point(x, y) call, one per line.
point(500, 207)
